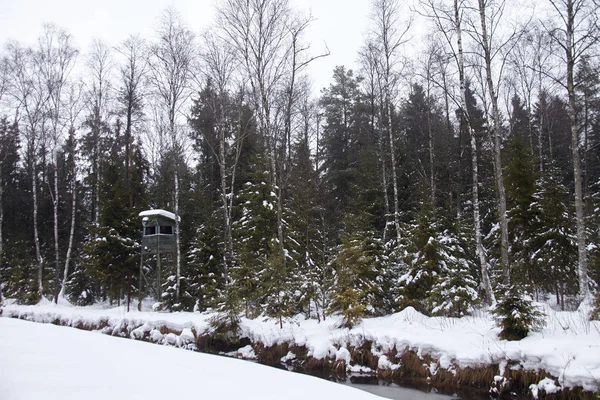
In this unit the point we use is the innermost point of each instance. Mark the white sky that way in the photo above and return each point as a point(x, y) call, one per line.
point(339, 23)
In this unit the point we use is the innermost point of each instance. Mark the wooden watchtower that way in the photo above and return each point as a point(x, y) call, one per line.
point(159, 232)
point(158, 239)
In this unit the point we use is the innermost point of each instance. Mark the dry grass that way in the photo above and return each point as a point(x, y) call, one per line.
point(411, 366)
point(479, 378)
point(270, 355)
point(363, 355)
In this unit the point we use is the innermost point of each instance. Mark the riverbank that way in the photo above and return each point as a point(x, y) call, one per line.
point(43, 361)
point(450, 354)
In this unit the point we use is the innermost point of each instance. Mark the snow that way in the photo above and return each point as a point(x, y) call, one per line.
point(159, 213)
point(53, 362)
point(568, 347)
point(546, 384)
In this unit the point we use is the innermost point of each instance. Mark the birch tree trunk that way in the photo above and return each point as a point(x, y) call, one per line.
point(371, 64)
point(497, 145)
point(577, 38)
point(170, 65)
point(36, 236)
point(480, 250)
point(56, 59)
point(29, 92)
point(386, 18)
point(431, 146)
point(55, 200)
point(3, 87)
point(100, 69)
point(71, 234)
point(572, 111)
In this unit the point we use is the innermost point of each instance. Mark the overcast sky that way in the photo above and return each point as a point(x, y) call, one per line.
point(339, 23)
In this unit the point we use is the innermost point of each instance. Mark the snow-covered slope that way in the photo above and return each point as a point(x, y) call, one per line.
point(568, 347)
point(51, 362)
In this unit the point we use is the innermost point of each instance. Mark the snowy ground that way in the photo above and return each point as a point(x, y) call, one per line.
point(568, 347)
point(41, 361)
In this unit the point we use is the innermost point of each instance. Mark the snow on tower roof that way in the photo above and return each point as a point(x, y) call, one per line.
point(158, 213)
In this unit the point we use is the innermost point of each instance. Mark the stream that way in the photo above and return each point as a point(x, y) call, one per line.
point(395, 392)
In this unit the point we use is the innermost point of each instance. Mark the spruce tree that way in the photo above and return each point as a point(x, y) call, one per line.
point(255, 238)
point(358, 291)
point(520, 181)
point(437, 275)
point(516, 314)
point(553, 259)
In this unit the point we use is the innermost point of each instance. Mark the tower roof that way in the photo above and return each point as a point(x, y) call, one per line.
point(158, 213)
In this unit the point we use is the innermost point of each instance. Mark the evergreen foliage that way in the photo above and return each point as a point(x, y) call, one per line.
point(438, 276)
point(520, 183)
point(553, 238)
point(357, 290)
point(517, 315)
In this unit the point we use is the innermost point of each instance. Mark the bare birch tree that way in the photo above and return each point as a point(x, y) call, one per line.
point(56, 58)
point(449, 22)
point(130, 94)
point(491, 15)
point(74, 107)
point(31, 98)
point(99, 91)
point(220, 67)
point(577, 34)
point(170, 63)
point(257, 30)
point(389, 34)
point(3, 89)
point(369, 60)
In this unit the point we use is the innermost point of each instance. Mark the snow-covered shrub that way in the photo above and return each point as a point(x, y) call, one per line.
point(517, 315)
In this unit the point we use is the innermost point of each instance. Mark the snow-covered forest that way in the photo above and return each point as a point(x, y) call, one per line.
point(456, 176)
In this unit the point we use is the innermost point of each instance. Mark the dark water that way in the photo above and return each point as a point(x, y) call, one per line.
point(395, 392)
point(388, 390)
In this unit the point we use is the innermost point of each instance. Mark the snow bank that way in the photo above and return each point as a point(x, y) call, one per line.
point(567, 348)
point(53, 362)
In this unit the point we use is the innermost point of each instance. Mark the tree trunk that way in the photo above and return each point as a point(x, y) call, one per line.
point(497, 147)
point(97, 178)
point(393, 160)
point(177, 236)
point(36, 237)
point(55, 217)
point(542, 122)
point(71, 234)
point(485, 281)
point(579, 209)
point(384, 184)
point(431, 152)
